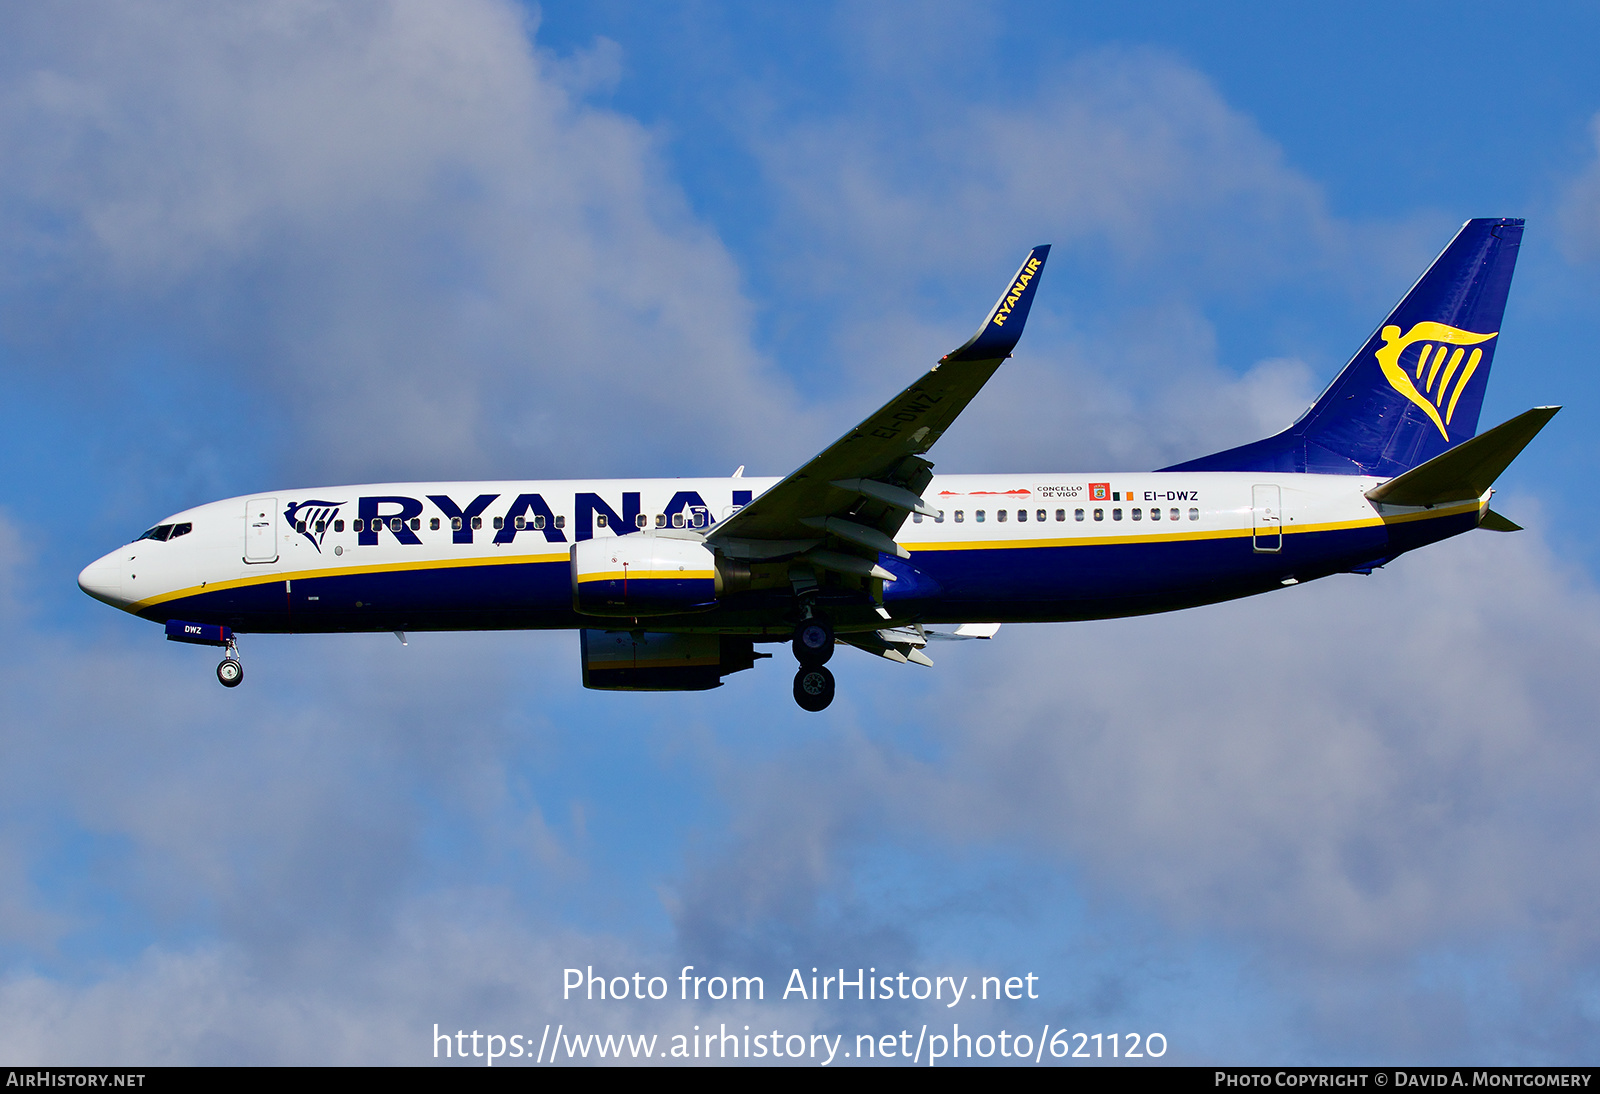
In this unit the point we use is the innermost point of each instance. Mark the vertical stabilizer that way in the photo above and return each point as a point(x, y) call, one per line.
point(1416, 387)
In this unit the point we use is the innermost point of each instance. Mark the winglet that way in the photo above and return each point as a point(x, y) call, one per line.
point(1002, 331)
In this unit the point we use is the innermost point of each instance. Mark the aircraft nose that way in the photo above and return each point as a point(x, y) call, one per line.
point(102, 579)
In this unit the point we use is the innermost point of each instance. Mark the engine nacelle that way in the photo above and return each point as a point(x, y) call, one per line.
point(650, 661)
point(639, 575)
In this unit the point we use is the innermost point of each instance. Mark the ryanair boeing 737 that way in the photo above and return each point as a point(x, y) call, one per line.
point(672, 584)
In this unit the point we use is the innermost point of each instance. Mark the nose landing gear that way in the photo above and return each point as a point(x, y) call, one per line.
point(230, 672)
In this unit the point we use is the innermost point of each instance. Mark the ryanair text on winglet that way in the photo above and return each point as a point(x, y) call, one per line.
point(1030, 268)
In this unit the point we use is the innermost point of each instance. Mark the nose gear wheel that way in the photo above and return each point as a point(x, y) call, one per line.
point(230, 673)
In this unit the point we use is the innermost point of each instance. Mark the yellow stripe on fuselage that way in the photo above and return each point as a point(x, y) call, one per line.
point(631, 574)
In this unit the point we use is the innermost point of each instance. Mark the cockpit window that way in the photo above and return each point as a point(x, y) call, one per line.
point(164, 532)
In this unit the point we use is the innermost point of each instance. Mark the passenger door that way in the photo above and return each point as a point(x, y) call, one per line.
point(261, 530)
point(1266, 508)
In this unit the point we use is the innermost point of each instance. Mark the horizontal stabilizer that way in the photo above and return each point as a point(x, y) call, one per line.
point(1465, 472)
point(1494, 522)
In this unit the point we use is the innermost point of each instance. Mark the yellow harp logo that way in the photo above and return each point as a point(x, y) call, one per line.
point(1438, 364)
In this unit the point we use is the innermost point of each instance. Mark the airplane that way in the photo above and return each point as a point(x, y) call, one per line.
point(672, 584)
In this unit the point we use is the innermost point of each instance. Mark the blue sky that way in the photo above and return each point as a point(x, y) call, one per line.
point(316, 243)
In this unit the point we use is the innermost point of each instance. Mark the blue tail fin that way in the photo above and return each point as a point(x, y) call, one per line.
point(1416, 387)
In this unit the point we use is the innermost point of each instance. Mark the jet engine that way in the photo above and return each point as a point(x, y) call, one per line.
point(642, 575)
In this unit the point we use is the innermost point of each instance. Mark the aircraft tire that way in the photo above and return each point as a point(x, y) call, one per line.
point(230, 673)
point(813, 688)
point(813, 641)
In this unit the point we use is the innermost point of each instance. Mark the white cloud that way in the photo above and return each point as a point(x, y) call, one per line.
point(1373, 787)
point(1579, 211)
point(464, 962)
point(1164, 204)
point(388, 218)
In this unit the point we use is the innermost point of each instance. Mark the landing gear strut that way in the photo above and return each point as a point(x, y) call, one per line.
point(230, 673)
point(813, 687)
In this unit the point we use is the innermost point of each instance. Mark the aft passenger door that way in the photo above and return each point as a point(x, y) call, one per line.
point(261, 530)
point(1266, 510)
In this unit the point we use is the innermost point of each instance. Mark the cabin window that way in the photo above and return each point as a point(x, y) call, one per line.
point(1022, 514)
point(538, 522)
point(433, 524)
point(1155, 514)
point(1138, 514)
point(1172, 514)
point(499, 523)
point(299, 526)
point(1000, 515)
point(416, 524)
point(1116, 514)
point(520, 523)
point(600, 520)
point(477, 523)
point(1077, 514)
point(979, 516)
point(1194, 514)
point(661, 520)
point(561, 522)
point(455, 524)
point(677, 520)
point(1099, 514)
point(338, 526)
point(641, 521)
point(961, 515)
point(1040, 515)
point(356, 525)
point(916, 518)
point(322, 526)
point(940, 518)
point(699, 518)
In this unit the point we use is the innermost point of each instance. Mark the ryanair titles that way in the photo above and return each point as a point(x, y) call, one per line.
point(402, 518)
point(1003, 312)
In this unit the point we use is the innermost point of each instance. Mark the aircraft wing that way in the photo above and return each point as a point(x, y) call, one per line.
point(858, 490)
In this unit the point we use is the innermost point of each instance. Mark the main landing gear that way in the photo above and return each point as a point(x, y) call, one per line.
point(813, 688)
point(230, 673)
point(813, 645)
